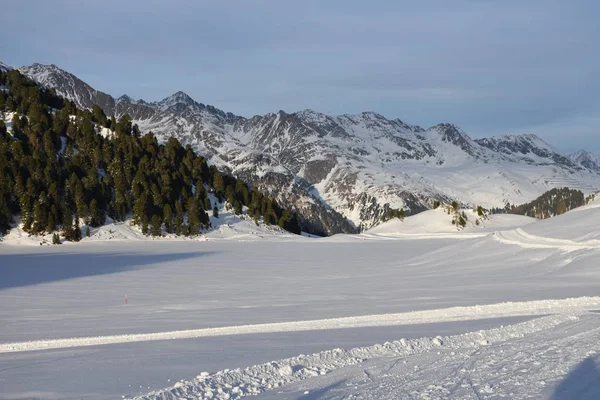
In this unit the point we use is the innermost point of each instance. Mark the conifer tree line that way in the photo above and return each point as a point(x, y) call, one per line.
point(399, 213)
point(553, 202)
point(56, 169)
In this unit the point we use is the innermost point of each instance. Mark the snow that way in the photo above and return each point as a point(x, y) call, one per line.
point(238, 383)
point(7, 118)
point(105, 132)
point(453, 314)
point(439, 221)
point(508, 311)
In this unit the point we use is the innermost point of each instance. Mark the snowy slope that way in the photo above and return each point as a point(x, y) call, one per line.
point(576, 225)
point(437, 221)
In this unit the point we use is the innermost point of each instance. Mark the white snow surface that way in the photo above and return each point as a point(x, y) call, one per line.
point(453, 314)
point(439, 221)
point(508, 311)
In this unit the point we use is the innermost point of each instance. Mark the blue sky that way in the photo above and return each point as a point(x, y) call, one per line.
point(491, 67)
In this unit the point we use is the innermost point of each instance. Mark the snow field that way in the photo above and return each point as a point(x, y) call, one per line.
point(63, 313)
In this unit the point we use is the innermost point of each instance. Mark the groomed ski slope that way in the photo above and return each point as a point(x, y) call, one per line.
point(263, 302)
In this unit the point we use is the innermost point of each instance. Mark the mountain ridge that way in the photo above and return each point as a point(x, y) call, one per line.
point(345, 172)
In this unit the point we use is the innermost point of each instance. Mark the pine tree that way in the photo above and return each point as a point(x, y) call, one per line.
point(51, 224)
point(286, 217)
point(237, 207)
point(480, 211)
point(168, 218)
point(76, 230)
point(56, 239)
point(68, 229)
point(156, 225)
point(96, 217)
point(178, 218)
point(99, 115)
point(193, 214)
point(140, 209)
point(267, 218)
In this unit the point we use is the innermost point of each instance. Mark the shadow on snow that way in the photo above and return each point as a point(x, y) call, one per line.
point(32, 269)
point(582, 383)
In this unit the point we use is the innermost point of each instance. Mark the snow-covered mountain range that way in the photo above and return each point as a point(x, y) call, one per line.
point(343, 173)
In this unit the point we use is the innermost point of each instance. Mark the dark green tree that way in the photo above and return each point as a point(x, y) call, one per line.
point(156, 225)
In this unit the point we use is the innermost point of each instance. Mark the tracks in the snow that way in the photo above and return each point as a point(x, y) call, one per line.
point(500, 310)
point(521, 238)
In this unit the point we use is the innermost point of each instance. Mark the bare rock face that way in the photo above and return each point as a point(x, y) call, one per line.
point(345, 173)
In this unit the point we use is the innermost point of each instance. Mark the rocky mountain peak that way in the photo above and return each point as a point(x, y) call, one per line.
point(372, 115)
point(4, 67)
point(523, 144)
point(175, 99)
point(586, 159)
point(125, 99)
point(452, 134)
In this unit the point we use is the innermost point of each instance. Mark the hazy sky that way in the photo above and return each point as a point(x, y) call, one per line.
point(491, 67)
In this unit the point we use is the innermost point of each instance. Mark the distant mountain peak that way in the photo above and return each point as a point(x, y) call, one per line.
point(174, 99)
point(586, 159)
point(40, 70)
point(4, 67)
point(125, 99)
point(521, 143)
point(371, 115)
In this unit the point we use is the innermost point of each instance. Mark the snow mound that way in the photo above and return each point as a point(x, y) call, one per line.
point(439, 221)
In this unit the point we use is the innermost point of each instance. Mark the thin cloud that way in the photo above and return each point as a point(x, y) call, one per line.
point(487, 66)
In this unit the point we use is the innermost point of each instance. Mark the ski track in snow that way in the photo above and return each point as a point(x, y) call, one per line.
point(460, 367)
point(550, 358)
point(416, 236)
point(500, 310)
point(521, 238)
